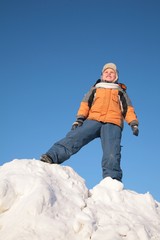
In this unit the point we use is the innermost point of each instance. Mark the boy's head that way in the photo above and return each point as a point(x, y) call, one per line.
point(109, 72)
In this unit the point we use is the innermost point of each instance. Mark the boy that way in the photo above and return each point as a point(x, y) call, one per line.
point(101, 115)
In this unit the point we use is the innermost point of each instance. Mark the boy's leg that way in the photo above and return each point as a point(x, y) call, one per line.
point(74, 141)
point(111, 140)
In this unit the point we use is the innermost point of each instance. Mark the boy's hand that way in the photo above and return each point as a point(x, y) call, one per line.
point(78, 123)
point(135, 130)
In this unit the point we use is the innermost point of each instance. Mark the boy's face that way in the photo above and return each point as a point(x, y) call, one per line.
point(109, 75)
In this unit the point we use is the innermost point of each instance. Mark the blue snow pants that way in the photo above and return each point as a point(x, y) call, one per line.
point(110, 135)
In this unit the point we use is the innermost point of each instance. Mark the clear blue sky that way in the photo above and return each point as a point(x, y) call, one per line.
point(51, 53)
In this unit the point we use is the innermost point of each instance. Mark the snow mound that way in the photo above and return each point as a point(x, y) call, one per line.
point(39, 201)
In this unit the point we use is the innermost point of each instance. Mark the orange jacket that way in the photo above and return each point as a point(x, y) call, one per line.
point(108, 103)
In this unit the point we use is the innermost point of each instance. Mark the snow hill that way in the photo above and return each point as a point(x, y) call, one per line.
point(39, 201)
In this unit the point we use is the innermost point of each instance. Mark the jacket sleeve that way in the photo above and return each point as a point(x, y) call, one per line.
point(130, 117)
point(85, 104)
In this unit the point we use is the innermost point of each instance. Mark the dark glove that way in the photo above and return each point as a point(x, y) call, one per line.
point(135, 130)
point(78, 123)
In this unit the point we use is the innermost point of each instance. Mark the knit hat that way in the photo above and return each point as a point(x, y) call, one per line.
point(111, 65)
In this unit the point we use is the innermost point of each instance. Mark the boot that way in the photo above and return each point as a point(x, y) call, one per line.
point(46, 158)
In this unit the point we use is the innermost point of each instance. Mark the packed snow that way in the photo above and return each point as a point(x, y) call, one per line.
point(39, 201)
